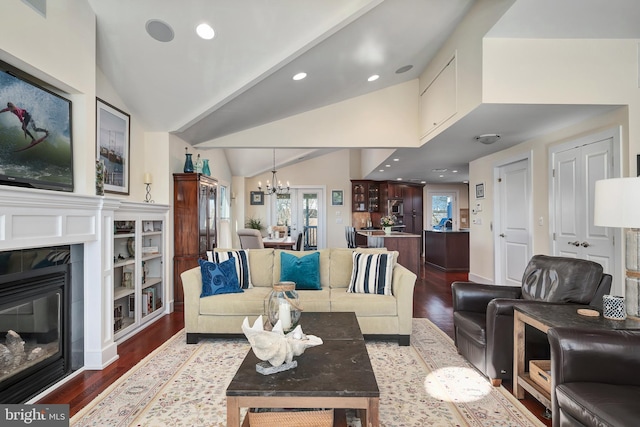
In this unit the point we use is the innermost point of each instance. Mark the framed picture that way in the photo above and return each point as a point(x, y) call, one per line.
point(480, 191)
point(112, 146)
point(337, 197)
point(257, 197)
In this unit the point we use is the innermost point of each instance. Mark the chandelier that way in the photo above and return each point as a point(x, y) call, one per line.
point(276, 186)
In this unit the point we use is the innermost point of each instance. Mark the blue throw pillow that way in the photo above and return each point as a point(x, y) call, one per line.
point(219, 278)
point(304, 271)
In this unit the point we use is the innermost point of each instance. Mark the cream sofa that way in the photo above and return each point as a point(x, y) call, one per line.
point(381, 316)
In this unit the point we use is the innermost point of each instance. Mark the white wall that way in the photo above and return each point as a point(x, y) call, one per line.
point(481, 170)
point(385, 118)
point(330, 171)
point(60, 51)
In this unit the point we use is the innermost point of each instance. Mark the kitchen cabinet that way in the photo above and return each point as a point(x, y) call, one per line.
point(194, 219)
point(365, 196)
point(438, 102)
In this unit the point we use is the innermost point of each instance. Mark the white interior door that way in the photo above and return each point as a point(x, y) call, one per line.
point(513, 227)
point(576, 170)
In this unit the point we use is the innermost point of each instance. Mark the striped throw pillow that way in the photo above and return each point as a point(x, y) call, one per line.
point(242, 264)
point(371, 273)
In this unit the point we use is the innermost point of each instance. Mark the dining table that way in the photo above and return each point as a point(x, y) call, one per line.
point(287, 242)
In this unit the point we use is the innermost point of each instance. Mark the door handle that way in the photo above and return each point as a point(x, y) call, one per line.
point(585, 244)
point(576, 243)
point(501, 234)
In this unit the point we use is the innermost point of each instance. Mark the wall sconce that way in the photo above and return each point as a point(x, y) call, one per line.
point(147, 182)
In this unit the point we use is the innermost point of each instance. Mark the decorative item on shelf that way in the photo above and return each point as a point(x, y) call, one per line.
point(188, 161)
point(198, 165)
point(613, 307)
point(131, 246)
point(274, 348)
point(147, 182)
point(387, 222)
point(205, 167)
point(616, 204)
point(276, 187)
point(284, 305)
point(100, 177)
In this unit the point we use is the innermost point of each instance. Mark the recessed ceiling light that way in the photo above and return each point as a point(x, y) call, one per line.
point(299, 76)
point(387, 166)
point(381, 170)
point(398, 179)
point(441, 176)
point(373, 78)
point(423, 182)
point(205, 31)
point(396, 160)
point(439, 170)
point(488, 138)
point(404, 69)
point(159, 30)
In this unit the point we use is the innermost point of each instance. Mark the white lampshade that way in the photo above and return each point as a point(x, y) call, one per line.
point(617, 203)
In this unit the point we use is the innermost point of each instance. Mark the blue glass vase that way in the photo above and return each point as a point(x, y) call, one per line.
point(205, 167)
point(188, 163)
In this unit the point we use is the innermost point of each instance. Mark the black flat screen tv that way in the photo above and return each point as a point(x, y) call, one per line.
point(35, 135)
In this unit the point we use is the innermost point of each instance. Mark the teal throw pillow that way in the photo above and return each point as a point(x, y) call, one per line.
point(219, 278)
point(304, 271)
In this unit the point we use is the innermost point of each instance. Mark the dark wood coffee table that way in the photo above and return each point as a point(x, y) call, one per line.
point(336, 374)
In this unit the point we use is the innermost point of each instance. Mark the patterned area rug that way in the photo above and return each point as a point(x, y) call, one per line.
point(425, 384)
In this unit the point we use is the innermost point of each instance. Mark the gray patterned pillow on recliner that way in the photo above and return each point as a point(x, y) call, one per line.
point(560, 279)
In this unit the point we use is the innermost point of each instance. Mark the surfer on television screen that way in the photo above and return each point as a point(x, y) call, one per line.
point(25, 119)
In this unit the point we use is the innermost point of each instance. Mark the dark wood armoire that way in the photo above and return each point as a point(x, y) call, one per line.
point(194, 223)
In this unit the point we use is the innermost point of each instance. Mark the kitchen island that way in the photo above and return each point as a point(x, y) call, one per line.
point(408, 245)
point(447, 250)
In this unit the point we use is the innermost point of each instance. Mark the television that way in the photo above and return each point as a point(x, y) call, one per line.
point(35, 134)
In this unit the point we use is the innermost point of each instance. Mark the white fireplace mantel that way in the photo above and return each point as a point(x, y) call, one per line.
point(31, 218)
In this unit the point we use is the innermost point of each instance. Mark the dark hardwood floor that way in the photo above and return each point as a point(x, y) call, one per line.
point(432, 300)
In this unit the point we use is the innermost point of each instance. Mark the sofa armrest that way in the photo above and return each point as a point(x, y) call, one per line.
point(192, 287)
point(475, 297)
point(601, 356)
point(403, 283)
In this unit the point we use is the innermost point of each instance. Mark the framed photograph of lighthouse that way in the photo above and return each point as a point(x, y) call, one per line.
point(112, 140)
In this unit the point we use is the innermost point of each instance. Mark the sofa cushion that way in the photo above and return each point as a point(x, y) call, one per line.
point(371, 273)
point(242, 264)
point(324, 264)
point(600, 404)
point(315, 300)
point(363, 304)
point(304, 271)
point(219, 278)
point(261, 266)
point(559, 279)
point(251, 303)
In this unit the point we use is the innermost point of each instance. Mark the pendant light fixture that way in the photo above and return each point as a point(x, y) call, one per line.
point(275, 187)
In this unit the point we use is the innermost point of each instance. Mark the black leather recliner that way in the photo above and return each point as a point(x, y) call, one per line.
point(595, 377)
point(483, 314)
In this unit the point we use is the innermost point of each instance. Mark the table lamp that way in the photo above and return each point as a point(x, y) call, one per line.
point(617, 204)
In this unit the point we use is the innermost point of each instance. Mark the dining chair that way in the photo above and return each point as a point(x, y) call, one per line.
point(350, 234)
point(250, 238)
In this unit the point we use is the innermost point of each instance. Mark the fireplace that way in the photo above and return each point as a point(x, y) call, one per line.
point(35, 344)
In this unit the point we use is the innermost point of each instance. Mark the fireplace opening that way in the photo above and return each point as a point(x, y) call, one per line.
point(34, 331)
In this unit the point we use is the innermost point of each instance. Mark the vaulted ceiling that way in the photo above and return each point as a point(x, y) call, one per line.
point(204, 89)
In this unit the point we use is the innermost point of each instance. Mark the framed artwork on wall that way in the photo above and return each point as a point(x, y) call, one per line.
point(257, 197)
point(480, 191)
point(112, 146)
point(337, 197)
